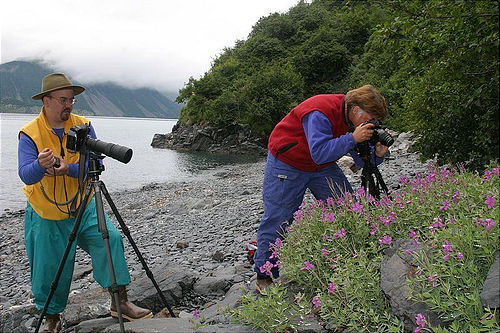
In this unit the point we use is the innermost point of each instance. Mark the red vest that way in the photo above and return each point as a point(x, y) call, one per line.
point(288, 142)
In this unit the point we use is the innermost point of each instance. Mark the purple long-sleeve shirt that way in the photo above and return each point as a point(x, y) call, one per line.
point(318, 130)
point(29, 170)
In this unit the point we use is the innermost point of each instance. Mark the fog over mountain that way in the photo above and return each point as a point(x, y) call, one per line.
point(19, 80)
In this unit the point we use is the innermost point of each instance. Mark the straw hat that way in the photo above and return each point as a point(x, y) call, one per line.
point(53, 82)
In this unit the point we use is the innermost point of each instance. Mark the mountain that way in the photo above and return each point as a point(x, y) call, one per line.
point(19, 80)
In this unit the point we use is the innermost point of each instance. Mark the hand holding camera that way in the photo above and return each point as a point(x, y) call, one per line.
point(363, 132)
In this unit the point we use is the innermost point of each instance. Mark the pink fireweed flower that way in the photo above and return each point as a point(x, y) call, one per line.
point(403, 180)
point(360, 193)
point(435, 226)
point(297, 216)
point(487, 175)
point(433, 279)
point(374, 229)
point(445, 206)
point(328, 217)
point(357, 207)
point(316, 301)
point(386, 240)
point(460, 255)
point(266, 268)
point(456, 196)
point(340, 234)
point(307, 266)
point(445, 173)
point(490, 201)
point(408, 253)
point(278, 243)
point(330, 201)
point(420, 321)
point(413, 234)
point(488, 224)
point(371, 198)
point(447, 248)
point(446, 257)
point(195, 314)
point(331, 288)
point(325, 237)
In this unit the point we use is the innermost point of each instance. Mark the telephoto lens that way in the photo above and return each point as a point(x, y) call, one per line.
point(120, 153)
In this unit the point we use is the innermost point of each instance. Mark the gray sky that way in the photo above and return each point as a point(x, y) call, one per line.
point(135, 43)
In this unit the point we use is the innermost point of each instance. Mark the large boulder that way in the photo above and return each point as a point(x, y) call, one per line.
point(490, 295)
point(174, 282)
point(396, 268)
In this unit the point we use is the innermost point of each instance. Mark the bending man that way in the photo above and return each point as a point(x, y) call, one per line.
point(303, 149)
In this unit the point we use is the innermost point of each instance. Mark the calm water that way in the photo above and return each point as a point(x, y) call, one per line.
point(147, 165)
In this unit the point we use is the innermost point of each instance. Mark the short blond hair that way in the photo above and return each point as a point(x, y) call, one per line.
point(369, 99)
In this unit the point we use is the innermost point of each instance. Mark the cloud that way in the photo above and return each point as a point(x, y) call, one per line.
point(157, 44)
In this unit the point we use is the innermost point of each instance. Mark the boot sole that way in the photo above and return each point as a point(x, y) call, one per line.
point(114, 314)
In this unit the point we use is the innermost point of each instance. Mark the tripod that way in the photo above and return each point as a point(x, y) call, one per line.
point(370, 170)
point(95, 185)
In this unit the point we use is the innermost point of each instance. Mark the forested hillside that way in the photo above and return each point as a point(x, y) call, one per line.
point(436, 61)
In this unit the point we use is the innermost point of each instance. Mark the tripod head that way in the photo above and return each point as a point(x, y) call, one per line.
point(95, 165)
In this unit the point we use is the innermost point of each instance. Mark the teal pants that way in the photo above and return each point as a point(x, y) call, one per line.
point(46, 241)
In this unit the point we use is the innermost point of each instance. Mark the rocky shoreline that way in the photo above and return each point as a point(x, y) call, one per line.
point(196, 231)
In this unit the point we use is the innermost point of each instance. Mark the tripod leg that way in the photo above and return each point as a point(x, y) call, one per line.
point(136, 249)
point(381, 181)
point(71, 239)
point(105, 236)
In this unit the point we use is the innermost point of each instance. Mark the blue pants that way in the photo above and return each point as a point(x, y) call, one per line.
point(283, 191)
point(46, 241)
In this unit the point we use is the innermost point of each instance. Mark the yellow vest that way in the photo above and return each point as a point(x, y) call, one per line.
point(42, 134)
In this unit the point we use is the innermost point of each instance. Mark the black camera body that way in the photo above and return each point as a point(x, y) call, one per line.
point(379, 135)
point(78, 138)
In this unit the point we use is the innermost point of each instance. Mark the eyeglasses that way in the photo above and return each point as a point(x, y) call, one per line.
point(64, 100)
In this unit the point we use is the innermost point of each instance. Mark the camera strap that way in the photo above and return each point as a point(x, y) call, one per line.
point(81, 181)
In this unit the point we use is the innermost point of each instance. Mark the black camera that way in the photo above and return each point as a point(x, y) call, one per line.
point(379, 135)
point(78, 138)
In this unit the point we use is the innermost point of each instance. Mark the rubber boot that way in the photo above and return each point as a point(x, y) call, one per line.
point(130, 311)
point(52, 324)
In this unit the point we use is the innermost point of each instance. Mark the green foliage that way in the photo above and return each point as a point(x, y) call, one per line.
point(332, 254)
point(435, 61)
point(437, 64)
point(276, 312)
point(287, 58)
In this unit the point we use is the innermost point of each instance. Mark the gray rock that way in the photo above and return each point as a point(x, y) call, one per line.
point(395, 269)
point(490, 295)
point(16, 316)
point(155, 325)
point(87, 305)
point(95, 325)
point(210, 285)
point(226, 328)
point(216, 312)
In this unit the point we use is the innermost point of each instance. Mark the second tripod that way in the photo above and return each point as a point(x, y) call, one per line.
point(97, 187)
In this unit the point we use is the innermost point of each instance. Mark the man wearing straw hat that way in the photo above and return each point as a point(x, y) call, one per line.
point(51, 178)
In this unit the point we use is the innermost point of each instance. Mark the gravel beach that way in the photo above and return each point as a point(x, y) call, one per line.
point(202, 225)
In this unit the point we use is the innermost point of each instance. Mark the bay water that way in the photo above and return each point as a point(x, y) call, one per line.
point(148, 165)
